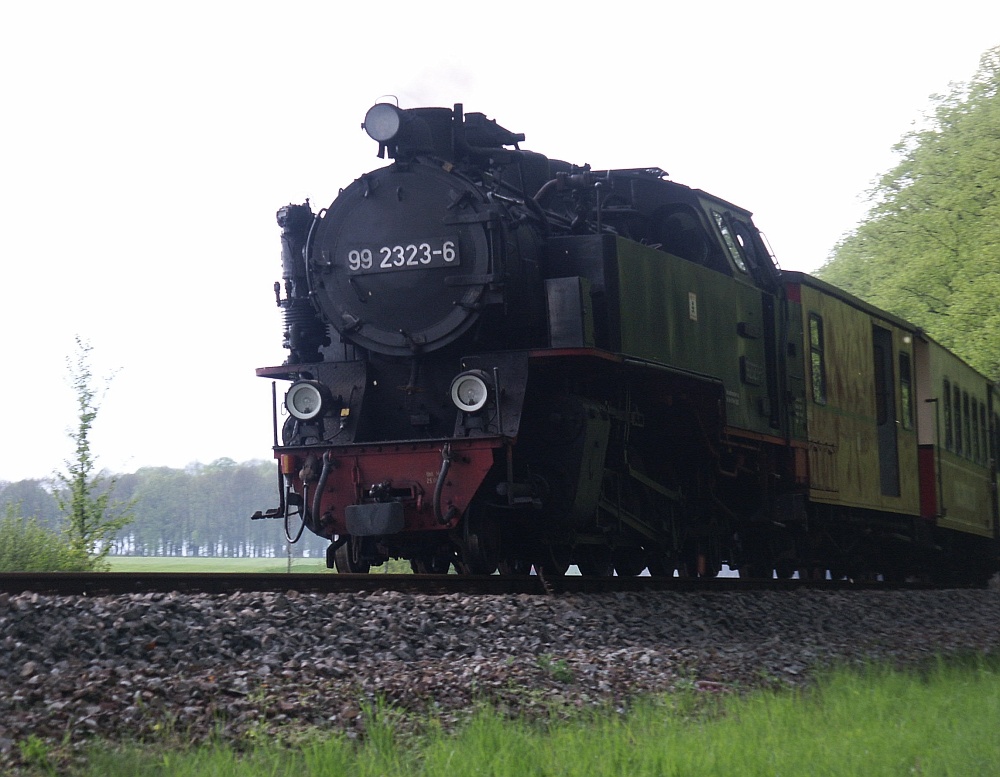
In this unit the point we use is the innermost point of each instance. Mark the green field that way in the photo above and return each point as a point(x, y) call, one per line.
point(235, 565)
point(244, 566)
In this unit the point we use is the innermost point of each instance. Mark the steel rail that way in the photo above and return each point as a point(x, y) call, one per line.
point(116, 583)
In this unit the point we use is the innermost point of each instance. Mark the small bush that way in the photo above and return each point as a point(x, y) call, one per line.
point(27, 546)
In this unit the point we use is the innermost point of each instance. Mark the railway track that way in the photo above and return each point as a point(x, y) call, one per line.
point(112, 583)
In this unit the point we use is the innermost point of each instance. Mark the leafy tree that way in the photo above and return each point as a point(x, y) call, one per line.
point(929, 249)
point(27, 546)
point(93, 519)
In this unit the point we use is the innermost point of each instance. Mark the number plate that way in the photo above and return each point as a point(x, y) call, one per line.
point(441, 252)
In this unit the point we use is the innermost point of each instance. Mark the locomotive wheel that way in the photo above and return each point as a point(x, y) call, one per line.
point(556, 561)
point(629, 562)
point(595, 562)
point(658, 568)
point(479, 546)
point(785, 568)
point(347, 560)
point(696, 563)
point(759, 565)
point(661, 562)
point(430, 565)
point(595, 569)
point(514, 566)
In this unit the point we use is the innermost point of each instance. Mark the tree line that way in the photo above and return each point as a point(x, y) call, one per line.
point(929, 249)
point(201, 510)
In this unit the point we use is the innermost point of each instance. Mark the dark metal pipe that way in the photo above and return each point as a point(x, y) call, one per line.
point(439, 487)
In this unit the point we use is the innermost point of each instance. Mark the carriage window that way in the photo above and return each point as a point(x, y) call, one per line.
point(882, 387)
point(948, 435)
point(968, 426)
point(727, 237)
point(984, 434)
point(906, 390)
point(974, 408)
point(818, 360)
point(956, 401)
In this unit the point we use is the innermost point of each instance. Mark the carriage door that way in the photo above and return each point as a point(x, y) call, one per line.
point(885, 412)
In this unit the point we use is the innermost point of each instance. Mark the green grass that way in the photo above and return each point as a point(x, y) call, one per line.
point(236, 565)
point(190, 564)
point(945, 721)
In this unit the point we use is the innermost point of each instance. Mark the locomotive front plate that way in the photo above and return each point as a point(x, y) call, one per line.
point(441, 252)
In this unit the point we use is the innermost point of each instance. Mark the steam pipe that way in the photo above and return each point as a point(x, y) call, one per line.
point(439, 487)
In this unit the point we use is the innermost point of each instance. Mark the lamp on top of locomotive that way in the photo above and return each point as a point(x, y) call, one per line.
point(405, 134)
point(399, 132)
point(383, 122)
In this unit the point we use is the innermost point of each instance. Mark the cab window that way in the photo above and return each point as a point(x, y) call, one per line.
point(677, 230)
point(729, 240)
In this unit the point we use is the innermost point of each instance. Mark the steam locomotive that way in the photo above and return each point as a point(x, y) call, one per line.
point(498, 360)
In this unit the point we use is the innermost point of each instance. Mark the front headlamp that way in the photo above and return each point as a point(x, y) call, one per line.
point(470, 391)
point(307, 399)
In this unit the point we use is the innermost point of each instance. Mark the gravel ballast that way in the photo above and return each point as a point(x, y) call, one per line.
point(124, 667)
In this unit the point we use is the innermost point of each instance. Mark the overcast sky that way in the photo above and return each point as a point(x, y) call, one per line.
point(147, 146)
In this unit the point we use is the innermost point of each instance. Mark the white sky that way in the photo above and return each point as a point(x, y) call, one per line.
point(146, 147)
